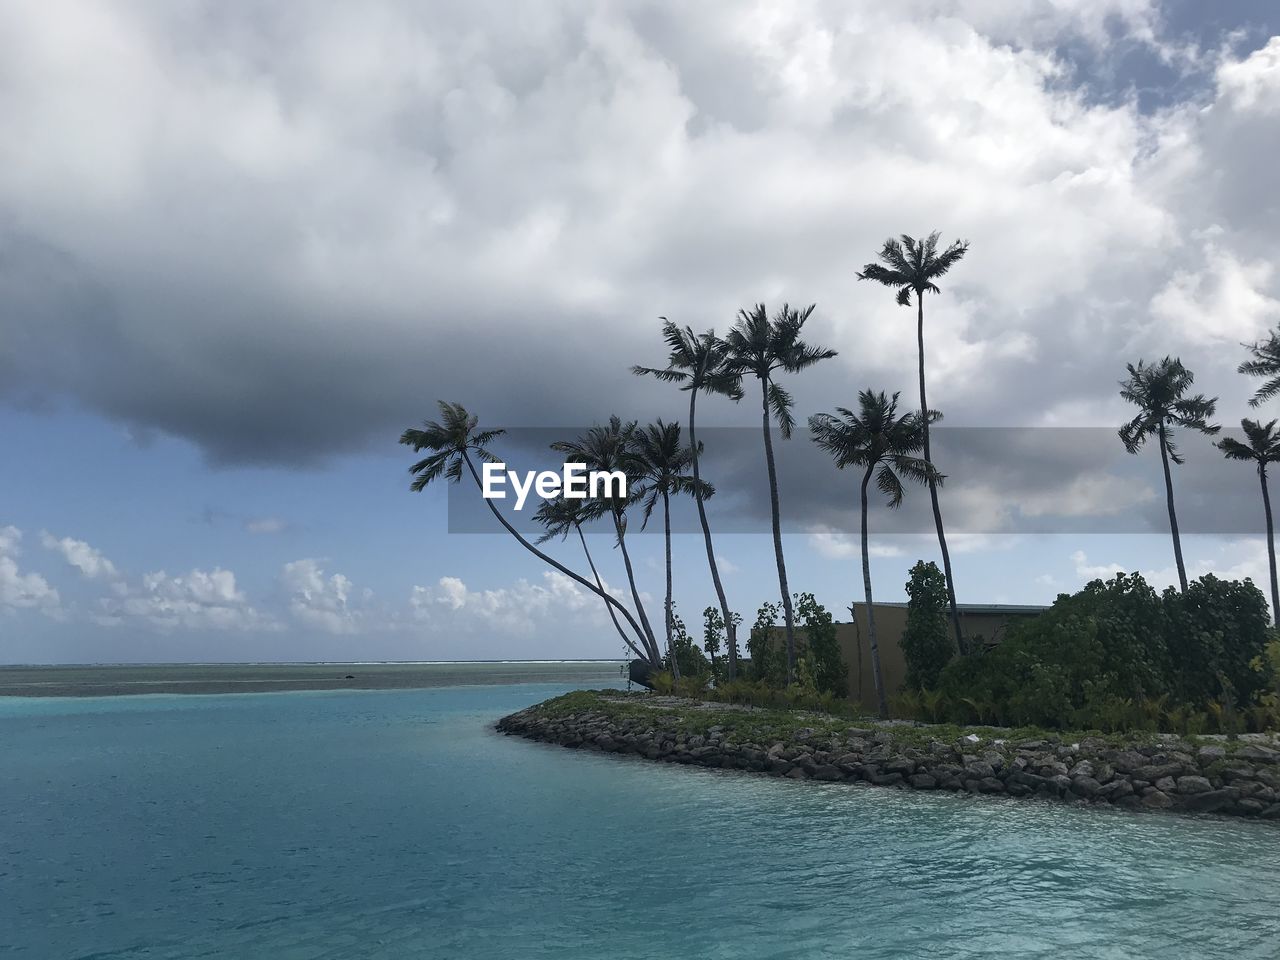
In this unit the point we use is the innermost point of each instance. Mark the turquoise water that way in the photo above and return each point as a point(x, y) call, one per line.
point(395, 824)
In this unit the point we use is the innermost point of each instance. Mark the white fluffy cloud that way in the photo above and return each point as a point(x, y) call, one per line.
point(521, 610)
point(88, 560)
point(199, 600)
point(325, 602)
point(20, 590)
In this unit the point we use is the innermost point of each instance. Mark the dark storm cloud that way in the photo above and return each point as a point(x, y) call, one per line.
point(284, 238)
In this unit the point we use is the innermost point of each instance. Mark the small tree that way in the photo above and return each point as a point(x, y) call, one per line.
point(830, 675)
point(768, 662)
point(926, 643)
point(712, 637)
point(684, 654)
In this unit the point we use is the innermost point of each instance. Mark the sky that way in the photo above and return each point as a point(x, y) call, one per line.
point(242, 247)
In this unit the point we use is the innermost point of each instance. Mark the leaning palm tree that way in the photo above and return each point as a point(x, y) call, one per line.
point(1265, 363)
point(760, 346)
point(884, 444)
point(911, 266)
point(663, 461)
point(1262, 447)
point(1158, 390)
point(697, 363)
point(563, 516)
point(610, 447)
point(455, 443)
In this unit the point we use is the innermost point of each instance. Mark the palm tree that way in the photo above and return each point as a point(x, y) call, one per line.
point(610, 448)
point(453, 442)
point(1262, 448)
point(760, 346)
point(663, 462)
point(697, 363)
point(1158, 390)
point(1265, 363)
point(562, 516)
point(884, 444)
point(912, 266)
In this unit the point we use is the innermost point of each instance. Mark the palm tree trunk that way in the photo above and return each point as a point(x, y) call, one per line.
point(666, 531)
point(600, 583)
point(635, 591)
point(882, 703)
point(1271, 544)
point(731, 632)
point(788, 618)
point(933, 487)
point(1173, 516)
point(552, 562)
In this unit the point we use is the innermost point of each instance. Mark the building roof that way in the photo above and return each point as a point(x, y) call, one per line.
point(1016, 609)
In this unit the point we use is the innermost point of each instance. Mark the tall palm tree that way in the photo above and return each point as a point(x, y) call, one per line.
point(563, 516)
point(664, 460)
point(611, 447)
point(912, 267)
point(1262, 447)
point(697, 363)
point(760, 346)
point(455, 443)
point(1159, 392)
point(884, 445)
point(1265, 363)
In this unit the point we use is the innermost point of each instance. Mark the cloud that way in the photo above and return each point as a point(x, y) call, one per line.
point(265, 525)
point(198, 600)
point(324, 602)
point(521, 610)
point(20, 590)
point(88, 560)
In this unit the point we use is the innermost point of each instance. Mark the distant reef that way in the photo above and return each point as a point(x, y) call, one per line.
point(1139, 771)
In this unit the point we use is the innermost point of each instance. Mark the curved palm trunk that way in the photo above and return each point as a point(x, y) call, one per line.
point(552, 562)
point(933, 487)
point(1271, 544)
point(600, 583)
point(1173, 516)
point(788, 618)
point(652, 641)
point(666, 530)
point(731, 632)
point(882, 703)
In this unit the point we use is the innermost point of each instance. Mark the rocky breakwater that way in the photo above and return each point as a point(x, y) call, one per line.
point(1145, 771)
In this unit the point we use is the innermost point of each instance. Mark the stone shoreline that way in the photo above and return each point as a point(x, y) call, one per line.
point(1140, 771)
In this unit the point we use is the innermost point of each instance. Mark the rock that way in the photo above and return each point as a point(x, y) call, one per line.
point(979, 770)
point(887, 780)
point(901, 765)
point(1082, 769)
point(1153, 772)
point(848, 759)
point(796, 773)
point(1271, 813)
point(1085, 786)
point(779, 766)
point(1157, 799)
point(828, 772)
point(990, 785)
point(923, 781)
point(1166, 785)
point(1238, 772)
point(1193, 784)
point(1126, 761)
point(1207, 802)
point(1250, 807)
point(776, 750)
point(1257, 754)
point(1207, 755)
point(1115, 790)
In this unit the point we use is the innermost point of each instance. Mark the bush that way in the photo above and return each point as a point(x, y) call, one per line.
point(713, 637)
point(926, 642)
point(768, 659)
point(823, 662)
point(1117, 656)
point(687, 655)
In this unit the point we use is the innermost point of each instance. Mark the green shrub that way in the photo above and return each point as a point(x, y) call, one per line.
point(829, 673)
point(768, 659)
point(1218, 630)
point(926, 642)
point(713, 637)
point(691, 660)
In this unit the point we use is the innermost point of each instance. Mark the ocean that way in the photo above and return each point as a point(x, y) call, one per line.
point(395, 823)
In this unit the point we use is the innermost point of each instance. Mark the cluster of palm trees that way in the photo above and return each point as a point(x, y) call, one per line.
point(1160, 391)
point(659, 464)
